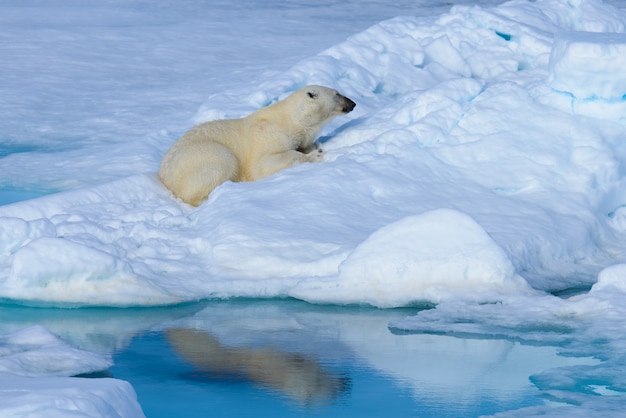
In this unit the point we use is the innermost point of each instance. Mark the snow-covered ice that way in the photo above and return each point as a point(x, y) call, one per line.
point(67, 397)
point(588, 65)
point(482, 170)
point(429, 266)
point(33, 363)
point(35, 351)
point(463, 112)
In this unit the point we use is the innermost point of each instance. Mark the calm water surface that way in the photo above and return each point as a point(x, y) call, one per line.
point(288, 358)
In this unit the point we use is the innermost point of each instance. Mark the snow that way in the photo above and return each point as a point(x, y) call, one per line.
point(444, 254)
point(587, 65)
point(432, 130)
point(482, 171)
point(32, 365)
point(460, 112)
point(35, 351)
point(67, 397)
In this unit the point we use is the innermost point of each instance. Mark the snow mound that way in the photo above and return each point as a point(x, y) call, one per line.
point(429, 257)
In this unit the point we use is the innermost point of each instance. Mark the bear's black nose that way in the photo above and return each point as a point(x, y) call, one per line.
point(348, 105)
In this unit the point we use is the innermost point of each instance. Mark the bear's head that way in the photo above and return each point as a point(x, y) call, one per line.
point(313, 106)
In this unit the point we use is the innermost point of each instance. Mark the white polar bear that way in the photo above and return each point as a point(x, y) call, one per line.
point(253, 147)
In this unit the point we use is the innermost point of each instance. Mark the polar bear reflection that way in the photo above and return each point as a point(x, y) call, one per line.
point(298, 377)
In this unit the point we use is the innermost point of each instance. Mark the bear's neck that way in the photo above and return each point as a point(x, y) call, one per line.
point(290, 122)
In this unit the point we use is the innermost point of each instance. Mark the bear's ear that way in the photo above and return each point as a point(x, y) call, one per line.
point(312, 95)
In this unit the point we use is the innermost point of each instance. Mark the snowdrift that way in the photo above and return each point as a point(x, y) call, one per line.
point(482, 155)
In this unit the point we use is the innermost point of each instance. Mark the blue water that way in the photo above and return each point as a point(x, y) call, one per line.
point(351, 363)
point(167, 385)
point(173, 383)
point(13, 196)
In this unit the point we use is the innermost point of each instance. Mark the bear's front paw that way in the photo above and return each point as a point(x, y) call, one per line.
point(315, 156)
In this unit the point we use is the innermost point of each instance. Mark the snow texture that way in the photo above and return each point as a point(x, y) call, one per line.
point(460, 113)
point(33, 363)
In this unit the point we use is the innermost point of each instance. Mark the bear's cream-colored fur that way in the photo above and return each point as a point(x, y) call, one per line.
point(253, 147)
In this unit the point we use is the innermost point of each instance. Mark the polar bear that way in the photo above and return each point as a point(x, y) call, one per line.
point(253, 147)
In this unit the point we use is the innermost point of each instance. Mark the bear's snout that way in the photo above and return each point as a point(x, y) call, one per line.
point(346, 104)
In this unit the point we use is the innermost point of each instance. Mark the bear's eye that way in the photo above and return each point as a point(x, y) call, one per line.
point(312, 95)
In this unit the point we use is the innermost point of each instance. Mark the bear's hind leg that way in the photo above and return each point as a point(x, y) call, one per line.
point(218, 166)
point(193, 172)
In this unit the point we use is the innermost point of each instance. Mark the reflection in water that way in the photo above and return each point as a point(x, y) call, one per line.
point(101, 330)
point(299, 377)
point(299, 351)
